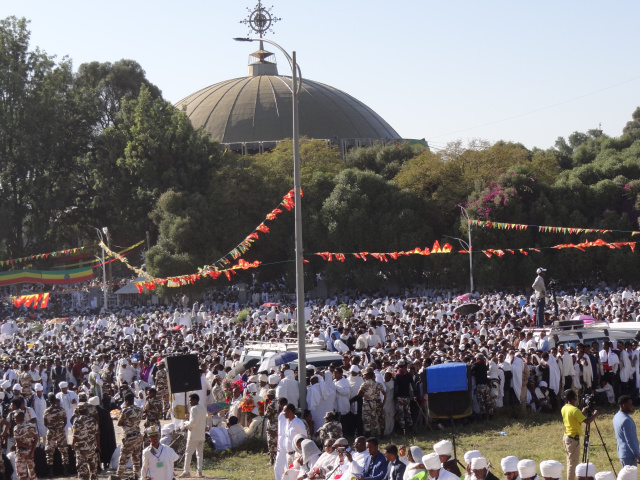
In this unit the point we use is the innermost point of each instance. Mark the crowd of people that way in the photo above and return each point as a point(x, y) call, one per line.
point(95, 366)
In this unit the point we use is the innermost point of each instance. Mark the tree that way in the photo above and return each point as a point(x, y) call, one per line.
point(111, 84)
point(44, 126)
point(151, 148)
point(632, 128)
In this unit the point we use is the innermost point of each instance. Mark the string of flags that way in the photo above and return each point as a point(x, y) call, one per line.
point(38, 300)
point(240, 249)
point(545, 228)
point(242, 264)
point(39, 256)
point(123, 259)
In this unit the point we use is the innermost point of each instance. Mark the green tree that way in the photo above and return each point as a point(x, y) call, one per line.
point(45, 124)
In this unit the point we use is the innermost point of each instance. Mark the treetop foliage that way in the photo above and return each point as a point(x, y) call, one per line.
point(101, 147)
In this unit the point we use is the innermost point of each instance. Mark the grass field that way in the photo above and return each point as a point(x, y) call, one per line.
point(534, 436)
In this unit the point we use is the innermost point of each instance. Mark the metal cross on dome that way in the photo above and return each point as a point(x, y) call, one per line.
point(260, 19)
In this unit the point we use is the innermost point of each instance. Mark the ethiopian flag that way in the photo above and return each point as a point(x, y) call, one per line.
point(48, 277)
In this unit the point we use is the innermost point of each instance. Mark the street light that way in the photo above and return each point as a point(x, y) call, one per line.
point(296, 84)
point(467, 246)
point(105, 230)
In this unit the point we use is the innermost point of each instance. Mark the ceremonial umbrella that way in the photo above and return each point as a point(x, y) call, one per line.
point(467, 308)
point(242, 367)
point(277, 359)
point(217, 406)
point(57, 320)
point(463, 298)
point(586, 319)
point(178, 327)
point(270, 304)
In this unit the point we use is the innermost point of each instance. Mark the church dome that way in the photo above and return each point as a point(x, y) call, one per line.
point(258, 108)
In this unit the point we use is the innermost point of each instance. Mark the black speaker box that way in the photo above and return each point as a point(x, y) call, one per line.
point(183, 373)
point(454, 404)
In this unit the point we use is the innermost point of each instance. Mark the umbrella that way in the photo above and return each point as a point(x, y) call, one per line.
point(178, 327)
point(277, 359)
point(463, 298)
point(57, 320)
point(270, 304)
point(217, 406)
point(289, 328)
point(586, 319)
point(242, 367)
point(467, 308)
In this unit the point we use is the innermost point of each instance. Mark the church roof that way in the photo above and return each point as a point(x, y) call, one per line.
point(258, 108)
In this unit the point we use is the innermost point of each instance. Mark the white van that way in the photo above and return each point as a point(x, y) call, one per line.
point(317, 355)
point(595, 332)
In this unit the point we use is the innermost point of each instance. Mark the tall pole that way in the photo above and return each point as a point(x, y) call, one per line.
point(104, 281)
point(296, 81)
point(300, 313)
point(466, 215)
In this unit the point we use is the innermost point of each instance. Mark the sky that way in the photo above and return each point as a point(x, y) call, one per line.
point(513, 70)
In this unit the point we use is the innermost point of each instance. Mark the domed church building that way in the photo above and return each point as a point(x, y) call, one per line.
point(252, 114)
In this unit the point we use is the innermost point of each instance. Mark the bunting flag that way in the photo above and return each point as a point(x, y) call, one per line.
point(287, 202)
point(47, 277)
point(384, 257)
point(39, 256)
point(181, 280)
point(123, 259)
point(545, 228)
point(40, 300)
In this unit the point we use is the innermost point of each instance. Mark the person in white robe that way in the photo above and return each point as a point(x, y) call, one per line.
point(39, 406)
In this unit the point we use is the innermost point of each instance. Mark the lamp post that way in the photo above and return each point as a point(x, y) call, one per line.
point(466, 246)
point(296, 83)
point(105, 230)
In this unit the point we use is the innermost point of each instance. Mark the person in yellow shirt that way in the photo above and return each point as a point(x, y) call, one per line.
point(573, 419)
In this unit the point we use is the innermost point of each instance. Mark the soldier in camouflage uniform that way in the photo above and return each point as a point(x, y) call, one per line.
point(271, 414)
point(132, 442)
point(55, 419)
point(332, 429)
point(162, 387)
point(26, 437)
point(370, 392)
point(25, 380)
point(85, 443)
point(153, 409)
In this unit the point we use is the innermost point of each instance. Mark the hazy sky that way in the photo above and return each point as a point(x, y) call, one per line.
point(526, 71)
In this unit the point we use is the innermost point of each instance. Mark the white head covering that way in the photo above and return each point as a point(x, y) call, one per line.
point(585, 470)
point(38, 387)
point(431, 461)
point(215, 420)
point(551, 468)
point(628, 472)
point(416, 453)
point(63, 384)
point(443, 447)
point(470, 455)
point(165, 431)
point(94, 401)
point(526, 468)
point(605, 476)
point(478, 463)
point(309, 448)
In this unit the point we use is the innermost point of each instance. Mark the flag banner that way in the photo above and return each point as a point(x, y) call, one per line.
point(545, 228)
point(47, 277)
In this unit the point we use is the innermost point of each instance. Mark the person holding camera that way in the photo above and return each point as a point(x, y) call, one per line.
point(573, 419)
point(626, 435)
point(541, 295)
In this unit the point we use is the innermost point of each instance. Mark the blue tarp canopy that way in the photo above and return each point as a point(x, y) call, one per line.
point(447, 377)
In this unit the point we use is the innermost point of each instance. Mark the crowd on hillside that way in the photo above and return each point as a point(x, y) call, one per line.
point(377, 387)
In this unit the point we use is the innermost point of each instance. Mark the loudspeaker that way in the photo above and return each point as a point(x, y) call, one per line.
point(449, 390)
point(183, 373)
